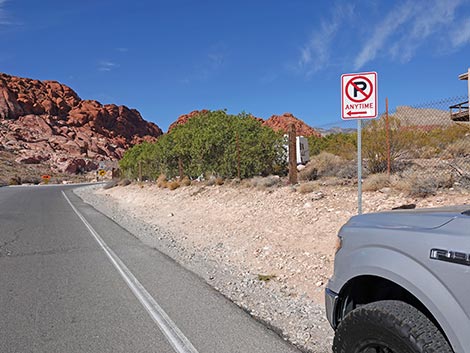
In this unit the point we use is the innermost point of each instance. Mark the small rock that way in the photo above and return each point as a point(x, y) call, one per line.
point(318, 196)
point(385, 190)
point(171, 214)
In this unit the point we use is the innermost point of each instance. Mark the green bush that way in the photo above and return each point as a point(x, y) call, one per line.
point(211, 143)
point(374, 144)
point(340, 144)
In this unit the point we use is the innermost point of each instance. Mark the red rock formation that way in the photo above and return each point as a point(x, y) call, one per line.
point(282, 122)
point(47, 121)
point(185, 117)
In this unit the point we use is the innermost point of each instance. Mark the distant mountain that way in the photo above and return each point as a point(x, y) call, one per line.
point(46, 122)
point(422, 117)
point(335, 130)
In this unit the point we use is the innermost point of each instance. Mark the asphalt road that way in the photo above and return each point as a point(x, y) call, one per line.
point(72, 280)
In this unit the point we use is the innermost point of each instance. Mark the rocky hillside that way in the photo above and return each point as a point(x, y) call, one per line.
point(282, 122)
point(182, 119)
point(46, 122)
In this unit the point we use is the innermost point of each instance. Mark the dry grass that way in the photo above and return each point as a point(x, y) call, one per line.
point(124, 182)
point(306, 188)
point(421, 184)
point(375, 182)
point(328, 165)
point(185, 181)
point(162, 181)
point(265, 278)
point(264, 183)
point(15, 181)
point(110, 184)
point(459, 148)
point(172, 185)
point(310, 172)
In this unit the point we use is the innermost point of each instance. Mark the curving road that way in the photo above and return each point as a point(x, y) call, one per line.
point(72, 280)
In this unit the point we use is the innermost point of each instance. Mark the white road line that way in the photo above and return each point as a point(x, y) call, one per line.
point(175, 337)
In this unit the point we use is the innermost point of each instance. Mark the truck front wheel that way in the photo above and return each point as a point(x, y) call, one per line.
point(388, 327)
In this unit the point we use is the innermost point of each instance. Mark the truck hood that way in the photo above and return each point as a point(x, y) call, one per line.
point(426, 218)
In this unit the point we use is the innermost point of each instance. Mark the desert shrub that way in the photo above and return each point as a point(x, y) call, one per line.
point(162, 181)
point(246, 183)
point(16, 180)
point(235, 182)
point(423, 185)
point(335, 181)
point(374, 146)
point(124, 182)
point(31, 180)
point(340, 144)
point(348, 170)
point(306, 188)
point(110, 184)
point(437, 139)
point(266, 278)
point(376, 182)
point(310, 172)
point(458, 148)
point(210, 142)
point(172, 185)
point(265, 182)
point(185, 181)
point(326, 163)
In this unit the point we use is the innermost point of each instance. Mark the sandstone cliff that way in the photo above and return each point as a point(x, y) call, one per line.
point(47, 122)
point(282, 122)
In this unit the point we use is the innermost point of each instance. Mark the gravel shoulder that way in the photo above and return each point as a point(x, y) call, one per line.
point(270, 251)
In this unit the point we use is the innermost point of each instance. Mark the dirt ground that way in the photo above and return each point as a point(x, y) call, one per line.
point(278, 232)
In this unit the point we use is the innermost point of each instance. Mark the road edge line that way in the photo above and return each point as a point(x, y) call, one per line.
point(173, 334)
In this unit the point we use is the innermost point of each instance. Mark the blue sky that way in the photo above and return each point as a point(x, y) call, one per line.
point(167, 58)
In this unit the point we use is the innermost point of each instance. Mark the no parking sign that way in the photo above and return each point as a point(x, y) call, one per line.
point(359, 96)
point(359, 101)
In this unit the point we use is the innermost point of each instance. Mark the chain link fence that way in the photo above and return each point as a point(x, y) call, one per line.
point(427, 145)
point(422, 147)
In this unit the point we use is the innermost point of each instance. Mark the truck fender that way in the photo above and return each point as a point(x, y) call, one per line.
point(413, 276)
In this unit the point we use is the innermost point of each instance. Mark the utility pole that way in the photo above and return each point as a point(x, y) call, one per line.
point(140, 170)
point(292, 154)
point(387, 128)
point(180, 167)
point(238, 156)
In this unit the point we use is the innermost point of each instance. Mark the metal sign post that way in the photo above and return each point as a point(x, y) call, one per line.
point(359, 166)
point(359, 101)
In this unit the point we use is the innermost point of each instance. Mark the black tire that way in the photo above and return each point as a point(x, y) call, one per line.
point(388, 327)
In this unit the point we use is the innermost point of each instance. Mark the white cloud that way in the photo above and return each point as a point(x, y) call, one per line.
point(461, 35)
point(315, 54)
point(210, 63)
point(407, 27)
point(431, 19)
point(4, 16)
point(107, 66)
point(382, 33)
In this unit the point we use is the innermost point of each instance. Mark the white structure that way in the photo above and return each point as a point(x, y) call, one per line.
point(302, 150)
